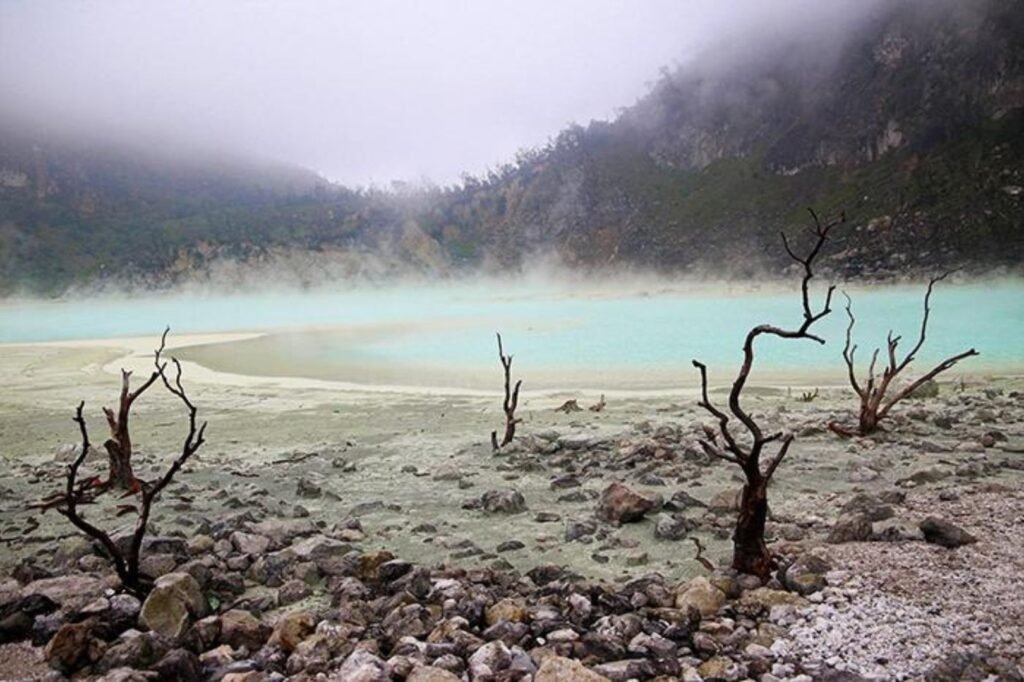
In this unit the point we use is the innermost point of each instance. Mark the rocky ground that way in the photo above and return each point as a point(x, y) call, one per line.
point(413, 552)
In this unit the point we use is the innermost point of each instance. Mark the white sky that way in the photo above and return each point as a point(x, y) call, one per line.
point(361, 91)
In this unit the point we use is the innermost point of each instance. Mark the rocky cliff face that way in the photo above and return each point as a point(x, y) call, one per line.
point(911, 121)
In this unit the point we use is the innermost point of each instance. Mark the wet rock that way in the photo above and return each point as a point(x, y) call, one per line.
point(503, 502)
point(561, 669)
point(174, 603)
point(621, 504)
point(941, 532)
point(701, 595)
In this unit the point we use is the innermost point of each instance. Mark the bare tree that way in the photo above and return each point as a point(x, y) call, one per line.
point(119, 445)
point(77, 493)
point(875, 399)
point(750, 554)
point(510, 403)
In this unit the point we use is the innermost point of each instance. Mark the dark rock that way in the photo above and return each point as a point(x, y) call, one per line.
point(672, 527)
point(503, 502)
point(940, 532)
point(177, 665)
point(867, 506)
point(806, 575)
point(852, 529)
point(510, 546)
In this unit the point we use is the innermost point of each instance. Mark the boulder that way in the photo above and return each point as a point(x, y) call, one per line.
point(361, 666)
point(806, 575)
point(72, 647)
point(672, 527)
point(489, 660)
point(941, 532)
point(621, 504)
point(292, 628)
point(701, 595)
point(240, 628)
point(867, 506)
point(850, 529)
point(174, 603)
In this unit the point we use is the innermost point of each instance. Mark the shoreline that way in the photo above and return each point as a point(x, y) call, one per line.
point(135, 354)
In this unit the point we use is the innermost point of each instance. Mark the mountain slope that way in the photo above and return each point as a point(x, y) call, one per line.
point(910, 121)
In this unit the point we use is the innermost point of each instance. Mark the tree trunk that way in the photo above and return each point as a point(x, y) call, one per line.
point(750, 554)
point(867, 421)
point(121, 475)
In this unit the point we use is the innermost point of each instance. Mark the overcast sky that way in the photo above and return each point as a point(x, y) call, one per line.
point(361, 91)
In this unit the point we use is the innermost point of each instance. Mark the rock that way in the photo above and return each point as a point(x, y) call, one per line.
point(575, 530)
point(868, 507)
point(250, 543)
point(940, 532)
point(429, 673)
point(850, 529)
point(762, 599)
point(308, 489)
point(672, 527)
point(896, 530)
point(929, 389)
point(503, 502)
point(806, 575)
point(560, 669)
point(292, 591)
point(629, 669)
point(490, 659)
point(240, 628)
point(178, 664)
point(717, 668)
point(701, 595)
point(361, 666)
point(620, 504)
point(509, 546)
point(508, 610)
point(174, 603)
point(725, 502)
point(71, 591)
point(72, 647)
point(292, 628)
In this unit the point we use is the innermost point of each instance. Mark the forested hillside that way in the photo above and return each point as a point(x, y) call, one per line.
point(912, 122)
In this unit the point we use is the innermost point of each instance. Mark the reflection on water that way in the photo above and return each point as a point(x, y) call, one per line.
point(444, 336)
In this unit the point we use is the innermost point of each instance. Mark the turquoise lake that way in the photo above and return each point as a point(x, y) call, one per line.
point(594, 337)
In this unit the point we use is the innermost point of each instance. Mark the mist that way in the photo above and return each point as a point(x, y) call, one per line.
point(363, 92)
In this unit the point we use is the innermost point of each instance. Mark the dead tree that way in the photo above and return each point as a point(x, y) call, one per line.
point(750, 554)
point(875, 401)
point(119, 445)
point(510, 403)
point(76, 493)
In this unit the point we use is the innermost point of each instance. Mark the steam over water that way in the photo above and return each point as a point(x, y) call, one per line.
point(562, 338)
